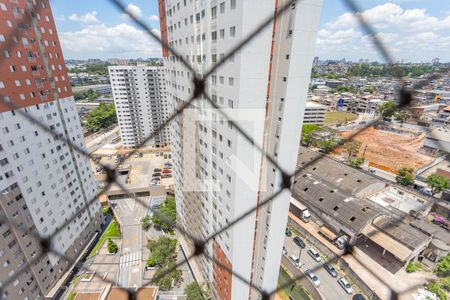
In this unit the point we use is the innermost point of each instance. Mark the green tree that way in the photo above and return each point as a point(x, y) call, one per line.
point(437, 183)
point(166, 276)
point(435, 287)
point(162, 250)
point(328, 145)
point(103, 116)
point(352, 148)
point(387, 109)
point(401, 116)
point(194, 291)
point(405, 176)
point(413, 266)
point(167, 214)
point(356, 162)
point(443, 266)
point(145, 222)
point(112, 247)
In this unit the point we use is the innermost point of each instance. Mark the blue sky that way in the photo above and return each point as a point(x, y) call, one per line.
point(415, 30)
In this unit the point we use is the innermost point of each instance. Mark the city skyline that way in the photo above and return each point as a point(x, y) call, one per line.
point(417, 31)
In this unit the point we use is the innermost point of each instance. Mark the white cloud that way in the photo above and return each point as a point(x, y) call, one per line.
point(133, 10)
point(154, 18)
point(90, 17)
point(412, 34)
point(101, 41)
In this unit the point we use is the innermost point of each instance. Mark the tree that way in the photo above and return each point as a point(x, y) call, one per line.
point(352, 148)
point(401, 116)
point(102, 117)
point(166, 276)
point(307, 129)
point(387, 109)
point(112, 247)
point(443, 266)
point(194, 291)
point(356, 162)
point(162, 250)
point(328, 145)
point(145, 222)
point(405, 176)
point(167, 214)
point(437, 183)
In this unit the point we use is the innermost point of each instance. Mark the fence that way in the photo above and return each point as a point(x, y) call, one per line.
point(404, 99)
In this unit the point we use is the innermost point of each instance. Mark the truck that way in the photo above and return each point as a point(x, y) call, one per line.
point(300, 210)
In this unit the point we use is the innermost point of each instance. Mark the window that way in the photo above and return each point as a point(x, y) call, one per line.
point(231, 81)
point(214, 36)
point(2, 38)
point(213, 12)
point(222, 33)
point(2, 85)
point(232, 4)
point(17, 82)
point(232, 31)
point(222, 7)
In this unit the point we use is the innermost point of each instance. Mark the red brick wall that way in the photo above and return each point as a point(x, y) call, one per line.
point(18, 14)
point(163, 26)
point(222, 278)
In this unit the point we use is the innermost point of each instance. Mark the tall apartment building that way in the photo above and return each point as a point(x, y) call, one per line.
point(141, 104)
point(219, 175)
point(43, 183)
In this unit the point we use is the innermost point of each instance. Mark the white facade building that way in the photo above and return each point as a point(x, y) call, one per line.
point(141, 104)
point(218, 175)
point(314, 113)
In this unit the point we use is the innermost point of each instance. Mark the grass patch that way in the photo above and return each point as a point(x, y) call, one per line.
point(339, 117)
point(112, 231)
point(298, 292)
point(72, 295)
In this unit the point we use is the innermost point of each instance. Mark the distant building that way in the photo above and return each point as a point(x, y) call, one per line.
point(118, 61)
point(314, 113)
point(437, 140)
point(443, 118)
point(334, 83)
point(141, 105)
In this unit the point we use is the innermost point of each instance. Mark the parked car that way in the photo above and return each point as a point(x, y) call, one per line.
point(157, 170)
point(137, 155)
point(167, 165)
point(165, 156)
point(156, 174)
point(156, 182)
point(157, 154)
point(288, 232)
point(295, 260)
point(165, 171)
point(330, 269)
point(315, 280)
point(299, 242)
point(167, 175)
point(345, 285)
point(358, 297)
point(169, 156)
point(314, 254)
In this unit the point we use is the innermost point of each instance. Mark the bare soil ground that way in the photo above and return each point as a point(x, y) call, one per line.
point(390, 149)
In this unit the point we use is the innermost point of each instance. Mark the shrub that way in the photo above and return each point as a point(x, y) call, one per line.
point(112, 247)
point(413, 266)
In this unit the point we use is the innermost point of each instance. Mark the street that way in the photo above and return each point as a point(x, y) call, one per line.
point(131, 262)
point(329, 287)
point(93, 144)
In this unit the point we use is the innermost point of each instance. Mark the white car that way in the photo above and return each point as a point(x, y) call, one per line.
point(295, 260)
point(314, 254)
point(345, 285)
point(313, 277)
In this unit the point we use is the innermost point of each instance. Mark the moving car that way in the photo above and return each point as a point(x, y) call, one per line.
point(288, 232)
point(345, 285)
point(330, 269)
point(299, 242)
point(313, 277)
point(314, 254)
point(295, 259)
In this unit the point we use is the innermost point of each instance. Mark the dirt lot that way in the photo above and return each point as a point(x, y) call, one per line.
point(391, 149)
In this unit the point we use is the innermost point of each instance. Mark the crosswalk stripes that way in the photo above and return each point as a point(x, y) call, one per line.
point(130, 259)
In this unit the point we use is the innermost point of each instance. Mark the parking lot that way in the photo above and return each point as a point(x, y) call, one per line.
point(329, 287)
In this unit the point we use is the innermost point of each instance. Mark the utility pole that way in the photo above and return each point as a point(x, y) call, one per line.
point(364, 153)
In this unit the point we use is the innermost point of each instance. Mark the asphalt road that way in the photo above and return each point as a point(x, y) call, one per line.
point(102, 140)
point(329, 287)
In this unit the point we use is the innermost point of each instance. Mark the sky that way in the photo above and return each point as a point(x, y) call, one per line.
point(413, 30)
